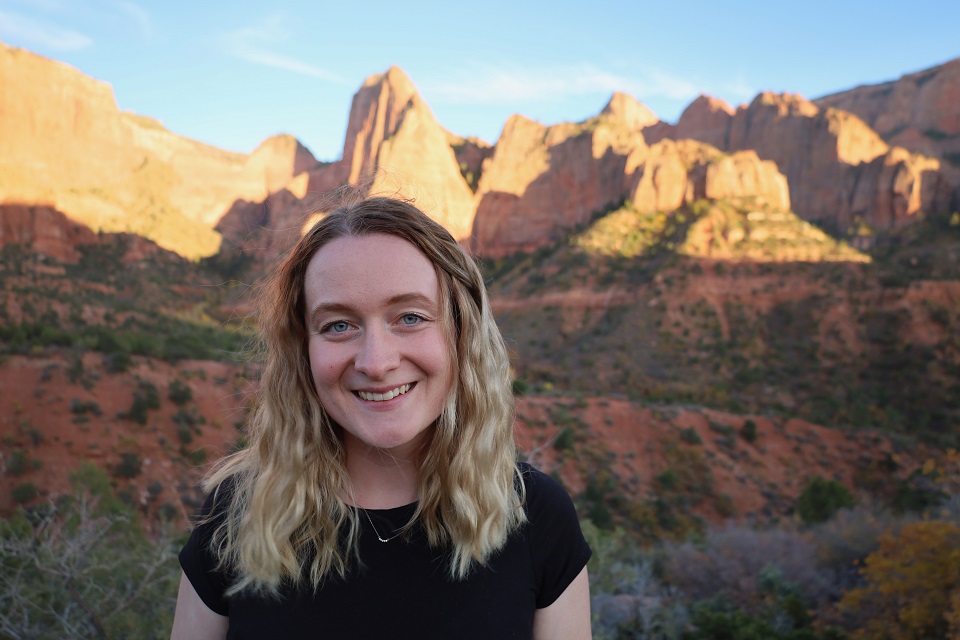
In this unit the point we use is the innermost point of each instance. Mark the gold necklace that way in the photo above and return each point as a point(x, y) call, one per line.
point(377, 533)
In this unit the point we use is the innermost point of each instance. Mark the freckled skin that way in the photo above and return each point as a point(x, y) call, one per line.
point(373, 317)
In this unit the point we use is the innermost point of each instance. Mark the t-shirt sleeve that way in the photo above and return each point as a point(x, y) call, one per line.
point(557, 546)
point(199, 562)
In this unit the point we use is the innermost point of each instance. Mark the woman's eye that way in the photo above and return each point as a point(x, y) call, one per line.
point(338, 327)
point(410, 319)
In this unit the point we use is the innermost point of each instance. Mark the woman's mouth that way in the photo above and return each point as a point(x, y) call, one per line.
point(386, 395)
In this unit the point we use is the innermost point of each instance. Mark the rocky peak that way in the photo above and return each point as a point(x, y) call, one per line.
point(919, 111)
point(785, 104)
point(628, 110)
point(278, 159)
point(375, 114)
point(543, 180)
point(64, 142)
point(706, 119)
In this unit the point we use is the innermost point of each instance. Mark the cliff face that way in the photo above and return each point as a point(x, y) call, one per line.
point(393, 137)
point(672, 174)
point(50, 233)
point(64, 142)
point(542, 180)
point(706, 119)
point(393, 146)
point(920, 111)
point(839, 169)
point(417, 162)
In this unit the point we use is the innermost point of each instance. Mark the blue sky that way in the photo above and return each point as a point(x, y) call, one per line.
point(231, 74)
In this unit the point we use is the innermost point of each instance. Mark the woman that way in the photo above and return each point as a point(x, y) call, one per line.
point(380, 494)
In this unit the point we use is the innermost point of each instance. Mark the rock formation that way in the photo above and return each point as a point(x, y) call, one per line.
point(709, 117)
point(393, 146)
point(628, 111)
point(920, 111)
point(63, 141)
point(417, 162)
point(543, 180)
point(839, 170)
point(49, 232)
point(671, 174)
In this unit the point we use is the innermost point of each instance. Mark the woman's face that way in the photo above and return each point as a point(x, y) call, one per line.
point(377, 342)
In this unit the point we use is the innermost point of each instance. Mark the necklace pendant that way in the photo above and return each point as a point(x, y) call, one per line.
point(377, 533)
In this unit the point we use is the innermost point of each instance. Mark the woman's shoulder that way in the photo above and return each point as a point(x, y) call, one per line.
point(218, 502)
point(544, 494)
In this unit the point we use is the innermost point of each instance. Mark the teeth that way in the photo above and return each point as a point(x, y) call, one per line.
point(381, 397)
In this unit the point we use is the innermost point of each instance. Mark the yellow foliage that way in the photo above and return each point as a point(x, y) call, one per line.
point(912, 582)
point(953, 616)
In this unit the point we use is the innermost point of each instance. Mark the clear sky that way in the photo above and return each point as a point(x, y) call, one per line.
point(232, 73)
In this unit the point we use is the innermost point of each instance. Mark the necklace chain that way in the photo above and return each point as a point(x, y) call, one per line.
point(377, 533)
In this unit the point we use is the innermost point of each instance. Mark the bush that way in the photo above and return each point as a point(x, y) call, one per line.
point(185, 434)
point(24, 492)
point(737, 565)
point(129, 466)
point(821, 499)
point(749, 431)
point(19, 464)
point(79, 407)
point(198, 456)
point(690, 436)
point(81, 567)
point(179, 393)
point(145, 397)
point(564, 440)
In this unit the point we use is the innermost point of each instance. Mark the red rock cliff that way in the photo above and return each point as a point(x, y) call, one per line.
point(64, 141)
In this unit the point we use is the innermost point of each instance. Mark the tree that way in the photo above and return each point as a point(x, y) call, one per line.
point(821, 499)
point(81, 567)
point(912, 585)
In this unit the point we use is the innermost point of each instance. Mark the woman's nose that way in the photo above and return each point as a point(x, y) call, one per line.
point(378, 354)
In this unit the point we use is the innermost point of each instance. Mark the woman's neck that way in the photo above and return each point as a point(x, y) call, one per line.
point(381, 479)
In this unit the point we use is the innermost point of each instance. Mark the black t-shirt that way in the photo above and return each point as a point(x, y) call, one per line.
point(403, 589)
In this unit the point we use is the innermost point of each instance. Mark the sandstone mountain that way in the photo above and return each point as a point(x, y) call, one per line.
point(65, 143)
point(543, 181)
point(50, 233)
point(840, 171)
point(918, 112)
point(393, 145)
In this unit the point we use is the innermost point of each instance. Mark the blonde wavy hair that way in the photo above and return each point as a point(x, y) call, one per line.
point(283, 495)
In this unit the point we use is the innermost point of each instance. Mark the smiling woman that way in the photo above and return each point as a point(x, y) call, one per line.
point(378, 344)
point(380, 495)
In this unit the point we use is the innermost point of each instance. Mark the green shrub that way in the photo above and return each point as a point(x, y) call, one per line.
point(564, 440)
point(821, 499)
point(690, 436)
point(145, 397)
point(185, 434)
point(24, 492)
point(79, 407)
point(19, 463)
point(667, 480)
point(85, 558)
point(198, 456)
point(749, 431)
point(129, 465)
point(179, 393)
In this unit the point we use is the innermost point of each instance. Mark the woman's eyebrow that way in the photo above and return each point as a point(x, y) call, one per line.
point(329, 307)
point(403, 298)
point(412, 298)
